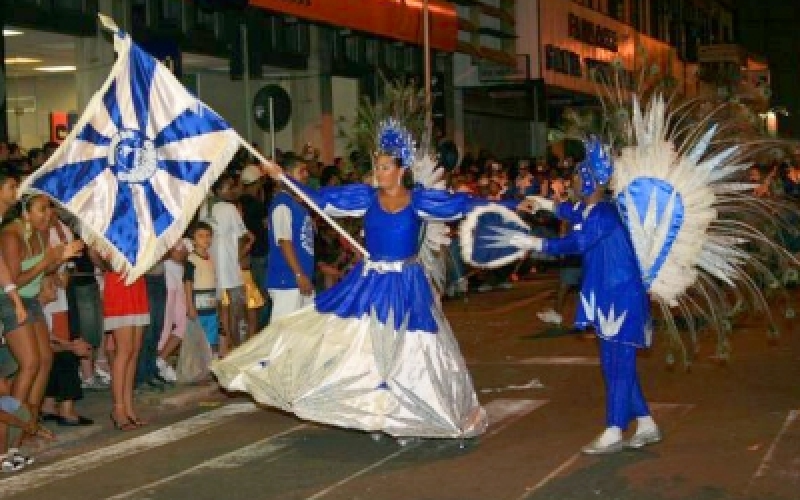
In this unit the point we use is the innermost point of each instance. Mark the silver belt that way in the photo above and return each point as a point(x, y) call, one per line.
point(387, 266)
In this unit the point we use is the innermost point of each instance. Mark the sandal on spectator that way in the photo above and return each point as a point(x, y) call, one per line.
point(49, 417)
point(138, 422)
point(124, 426)
point(78, 421)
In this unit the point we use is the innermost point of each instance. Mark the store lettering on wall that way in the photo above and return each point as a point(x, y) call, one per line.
point(591, 34)
point(562, 61)
point(569, 63)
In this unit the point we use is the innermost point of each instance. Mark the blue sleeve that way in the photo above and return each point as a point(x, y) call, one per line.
point(440, 205)
point(595, 228)
point(350, 200)
point(570, 212)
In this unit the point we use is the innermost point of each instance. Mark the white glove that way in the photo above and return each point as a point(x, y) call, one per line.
point(542, 203)
point(527, 242)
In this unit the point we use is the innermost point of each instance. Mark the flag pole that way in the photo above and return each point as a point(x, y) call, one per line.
point(246, 79)
point(426, 47)
point(299, 192)
point(272, 130)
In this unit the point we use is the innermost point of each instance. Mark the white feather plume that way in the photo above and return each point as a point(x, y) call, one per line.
point(708, 249)
point(436, 237)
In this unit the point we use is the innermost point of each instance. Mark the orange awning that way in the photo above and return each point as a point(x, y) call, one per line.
point(396, 19)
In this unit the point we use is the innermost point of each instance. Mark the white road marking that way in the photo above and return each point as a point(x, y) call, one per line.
point(256, 451)
point(504, 412)
point(766, 462)
point(533, 384)
point(363, 471)
point(91, 460)
point(655, 408)
point(545, 360)
point(501, 414)
point(561, 468)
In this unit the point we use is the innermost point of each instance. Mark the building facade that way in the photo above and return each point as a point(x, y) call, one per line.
point(553, 52)
point(323, 56)
point(503, 71)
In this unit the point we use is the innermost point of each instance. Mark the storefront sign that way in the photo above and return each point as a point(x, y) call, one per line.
point(592, 34)
point(562, 61)
point(569, 63)
point(492, 72)
point(396, 19)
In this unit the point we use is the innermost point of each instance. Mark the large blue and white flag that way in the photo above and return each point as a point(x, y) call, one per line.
point(139, 161)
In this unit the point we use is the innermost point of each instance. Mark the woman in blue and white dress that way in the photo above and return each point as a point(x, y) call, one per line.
point(374, 352)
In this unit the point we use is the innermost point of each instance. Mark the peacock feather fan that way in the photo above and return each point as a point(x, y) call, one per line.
point(696, 226)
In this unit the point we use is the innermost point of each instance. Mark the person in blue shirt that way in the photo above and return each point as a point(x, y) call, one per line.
point(374, 352)
point(613, 298)
point(290, 264)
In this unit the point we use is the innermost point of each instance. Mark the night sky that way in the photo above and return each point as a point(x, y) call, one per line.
point(771, 28)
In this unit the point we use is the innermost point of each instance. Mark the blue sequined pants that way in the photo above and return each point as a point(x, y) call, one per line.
point(624, 398)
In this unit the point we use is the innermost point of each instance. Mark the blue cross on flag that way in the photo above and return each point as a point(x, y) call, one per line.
point(139, 161)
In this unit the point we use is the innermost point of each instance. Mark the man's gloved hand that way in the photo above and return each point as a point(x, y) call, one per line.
point(541, 203)
point(524, 242)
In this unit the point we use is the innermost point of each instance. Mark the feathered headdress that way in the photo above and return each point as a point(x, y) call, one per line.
point(596, 168)
point(402, 102)
point(390, 125)
point(394, 139)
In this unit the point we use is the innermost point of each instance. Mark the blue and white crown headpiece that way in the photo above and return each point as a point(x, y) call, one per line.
point(596, 168)
point(396, 140)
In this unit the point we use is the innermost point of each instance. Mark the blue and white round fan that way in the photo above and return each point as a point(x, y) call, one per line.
point(485, 236)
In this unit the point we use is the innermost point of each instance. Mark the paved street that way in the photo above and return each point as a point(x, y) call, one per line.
point(731, 431)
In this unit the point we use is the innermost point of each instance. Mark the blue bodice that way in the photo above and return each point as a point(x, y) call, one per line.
point(404, 293)
point(394, 236)
point(391, 235)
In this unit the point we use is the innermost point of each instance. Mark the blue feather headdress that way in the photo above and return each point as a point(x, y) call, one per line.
point(394, 139)
point(596, 168)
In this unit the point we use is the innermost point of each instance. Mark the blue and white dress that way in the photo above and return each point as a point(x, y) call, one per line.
point(374, 352)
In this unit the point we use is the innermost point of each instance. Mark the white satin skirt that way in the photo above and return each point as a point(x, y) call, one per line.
point(359, 374)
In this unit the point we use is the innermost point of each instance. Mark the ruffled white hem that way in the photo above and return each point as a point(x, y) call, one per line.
point(360, 374)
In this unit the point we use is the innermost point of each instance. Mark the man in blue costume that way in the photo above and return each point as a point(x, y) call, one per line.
point(613, 296)
point(290, 266)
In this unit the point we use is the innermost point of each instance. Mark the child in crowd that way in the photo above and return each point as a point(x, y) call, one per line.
point(200, 283)
point(175, 310)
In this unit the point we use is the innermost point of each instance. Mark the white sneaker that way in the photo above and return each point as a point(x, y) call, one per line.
point(549, 316)
point(102, 375)
point(644, 438)
point(94, 383)
point(9, 464)
point(166, 371)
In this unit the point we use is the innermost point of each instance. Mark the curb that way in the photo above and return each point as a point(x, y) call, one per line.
point(189, 394)
point(179, 397)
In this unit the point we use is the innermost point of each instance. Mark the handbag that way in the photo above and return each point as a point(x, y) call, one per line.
point(194, 360)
